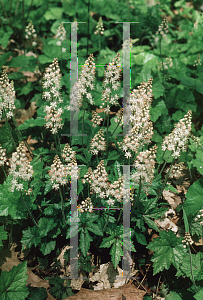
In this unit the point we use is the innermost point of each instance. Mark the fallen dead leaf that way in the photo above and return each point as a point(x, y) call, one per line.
point(100, 110)
point(172, 198)
point(129, 291)
point(22, 115)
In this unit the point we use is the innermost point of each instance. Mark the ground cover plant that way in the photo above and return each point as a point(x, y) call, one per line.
point(164, 147)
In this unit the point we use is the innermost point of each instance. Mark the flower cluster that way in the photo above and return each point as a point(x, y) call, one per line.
point(197, 62)
point(99, 27)
point(188, 240)
point(61, 34)
point(7, 96)
point(168, 63)
point(117, 190)
point(20, 167)
point(53, 117)
point(86, 79)
point(199, 216)
point(175, 170)
point(176, 141)
point(86, 205)
point(58, 173)
point(88, 176)
point(68, 154)
point(99, 184)
point(163, 28)
point(138, 112)
point(144, 165)
point(111, 82)
point(3, 157)
point(30, 33)
point(98, 143)
point(96, 120)
point(52, 84)
point(161, 32)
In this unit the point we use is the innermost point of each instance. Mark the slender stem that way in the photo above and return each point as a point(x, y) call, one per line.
point(140, 188)
point(165, 163)
point(10, 9)
point(191, 269)
point(106, 220)
point(23, 11)
point(162, 59)
point(59, 144)
point(107, 136)
point(17, 4)
point(4, 171)
point(97, 159)
point(21, 138)
point(10, 234)
point(202, 234)
point(57, 150)
point(157, 170)
point(115, 128)
point(33, 219)
point(9, 129)
point(88, 25)
point(29, 9)
point(62, 208)
point(165, 181)
point(120, 213)
point(83, 117)
point(5, 14)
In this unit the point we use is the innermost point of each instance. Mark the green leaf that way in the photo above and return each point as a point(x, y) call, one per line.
point(199, 295)
point(30, 237)
point(85, 240)
point(5, 34)
point(166, 247)
point(116, 252)
point(173, 296)
point(3, 235)
point(183, 264)
point(45, 225)
point(53, 13)
point(94, 228)
point(151, 223)
point(185, 221)
point(158, 90)
point(10, 202)
point(140, 238)
point(48, 187)
point(37, 293)
point(113, 155)
point(157, 111)
point(13, 283)
point(194, 197)
point(4, 58)
point(107, 242)
point(81, 158)
point(46, 248)
point(32, 123)
point(6, 142)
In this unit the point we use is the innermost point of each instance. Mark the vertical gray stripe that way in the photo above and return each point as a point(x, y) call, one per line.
point(74, 225)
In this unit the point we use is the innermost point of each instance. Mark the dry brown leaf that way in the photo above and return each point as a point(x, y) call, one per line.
point(129, 291)
point(30, 53)
point(172, 198)
point(100, 110)
point(22, 115)
point(30, 76)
